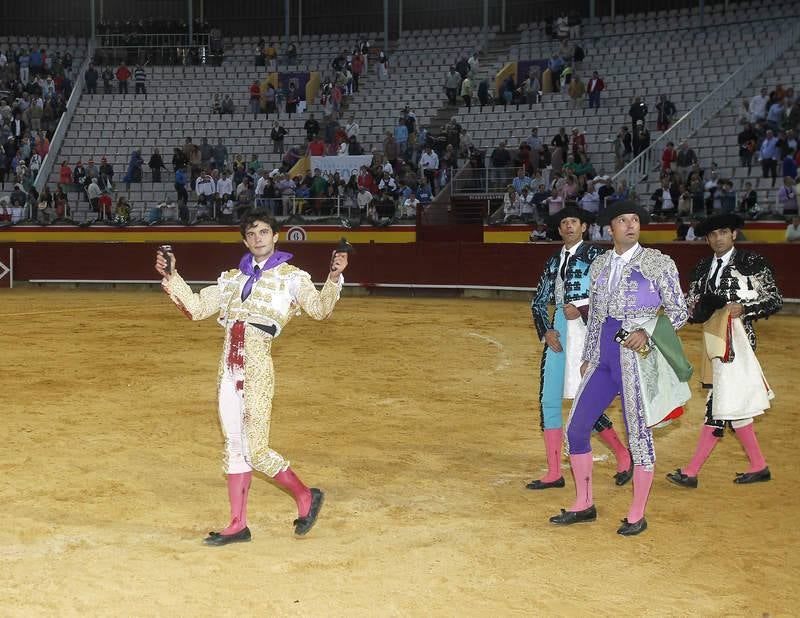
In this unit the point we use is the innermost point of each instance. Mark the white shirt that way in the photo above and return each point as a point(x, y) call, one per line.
point(666, 200)
point(225, 186)
point(591, 202)
point(352, 129)
point(262, 182)
point(205, 186)
point(725, 259)
point(429, 161)
point(792, 233)
point(758, 106)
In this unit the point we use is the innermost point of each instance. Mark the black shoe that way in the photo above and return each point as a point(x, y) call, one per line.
point(215, 539)
point(684, 480)
point(743, 478)
point(567, 518)
point(620, 478)
point(303, 524)
point(538, 484)
point(629, 529)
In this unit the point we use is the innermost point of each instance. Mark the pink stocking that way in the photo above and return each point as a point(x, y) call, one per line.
point(642, 480)
point(704, 447)
point(238, 486)
point(747, 436)
point(553, 438)
point(611, 440)
point(302, 495)
point(582, 472)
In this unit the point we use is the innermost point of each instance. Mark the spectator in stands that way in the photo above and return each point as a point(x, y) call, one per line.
point(90, 78)
point(79, 175)
point(561, 141)
point(775, 115)
point(277, 136)
point(401, 137)
point(786, 199)
point(123, 74)
point(205, 188)
point(686, 159)
point(641, 140)
point(556, 65)
point(254, 166)
point(665, 198)
point(666, 112)
point(452, 83)
point(24, 64)
point(593, 89)
point(575, 89)
point(60, 202)
point(768, 155)
point(181, 180)
point(793, 230)
point(107, 76)
point(500, 162)
point(206, 153)
point(749, 199)
point(747, 141)
point(255, 98)
point(466, 91)
point(789, 165)
point(383, 65)
point(106, 174)
point(134, 172)
point(139, 78)
point(228, 106)
point(758, 106)
point(220, 154)
point(521, 181)
point(65, 174)
point(312, 127)
point(93, 192)
point(356, 68)
point(669, 159)
point(637, 112)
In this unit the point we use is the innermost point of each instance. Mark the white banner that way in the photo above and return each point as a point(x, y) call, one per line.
point(345, 165)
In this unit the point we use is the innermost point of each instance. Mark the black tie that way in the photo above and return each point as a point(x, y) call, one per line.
point(563, 272)
point(712, 283)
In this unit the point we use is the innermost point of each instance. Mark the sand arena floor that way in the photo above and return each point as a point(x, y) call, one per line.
point(418, 418)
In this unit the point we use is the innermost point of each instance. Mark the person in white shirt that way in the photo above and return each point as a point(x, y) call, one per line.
point(224, 194)
point(758, 106)
point(793, 230)
point(590, 201)
point(363, 199)
point(352, 129)
point(410, 206)
point(261, 184)
point(387, 183)
point(205, 188)
point(429, 163)
point(526, 208)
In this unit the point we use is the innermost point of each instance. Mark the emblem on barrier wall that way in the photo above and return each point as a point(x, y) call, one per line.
point(296, 234)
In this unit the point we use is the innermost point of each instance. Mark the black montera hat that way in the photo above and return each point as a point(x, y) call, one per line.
point(570, 210)
point(717, 222)
point(623, 208)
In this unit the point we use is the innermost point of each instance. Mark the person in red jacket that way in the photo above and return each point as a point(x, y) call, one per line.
point(123, 74)
point(593, 88)
point(255, 97)
point(668, 158)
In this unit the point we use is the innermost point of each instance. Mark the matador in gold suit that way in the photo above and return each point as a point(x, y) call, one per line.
point(254, 303)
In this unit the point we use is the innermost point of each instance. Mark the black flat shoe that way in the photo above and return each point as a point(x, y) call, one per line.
point(303, 524)
point(567, 518)
point(684, 480)
point(620, 478)
point(629, 529)
point(559, 482)
point(743, 478)
point(215, 539)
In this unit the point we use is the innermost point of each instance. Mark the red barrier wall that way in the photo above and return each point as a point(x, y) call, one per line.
point(454, 263)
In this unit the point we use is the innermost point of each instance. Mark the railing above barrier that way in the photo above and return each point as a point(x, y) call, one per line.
point(649, 159)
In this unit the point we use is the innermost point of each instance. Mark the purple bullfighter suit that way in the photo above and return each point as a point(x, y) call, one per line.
point(648, 282)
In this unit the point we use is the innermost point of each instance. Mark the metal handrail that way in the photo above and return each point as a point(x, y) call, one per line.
point(716, 100)
point(63, 123)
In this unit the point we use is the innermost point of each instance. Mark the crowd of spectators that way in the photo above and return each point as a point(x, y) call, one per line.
point(34, 88)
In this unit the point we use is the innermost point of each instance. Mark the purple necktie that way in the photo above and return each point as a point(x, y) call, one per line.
point(248, 285)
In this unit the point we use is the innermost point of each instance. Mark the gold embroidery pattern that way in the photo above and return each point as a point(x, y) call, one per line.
point(259, 387)
point(197, 306)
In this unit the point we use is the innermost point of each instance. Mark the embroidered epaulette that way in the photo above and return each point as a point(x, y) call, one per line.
point(652, 263)
point(749, 263)
point(598, 264)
